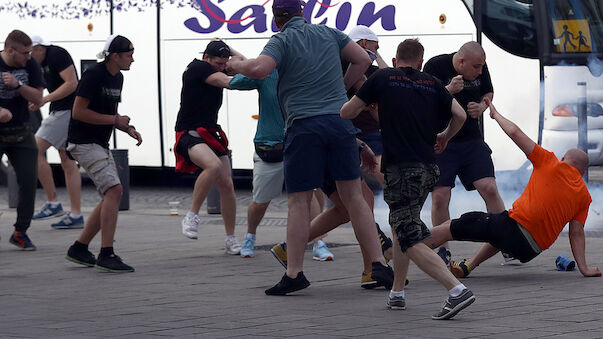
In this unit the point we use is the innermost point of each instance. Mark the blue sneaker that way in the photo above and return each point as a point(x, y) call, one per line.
point(321, 252)
point(445, 255)
point(48, 212)
point(21, 240)
point(69, 222)
point(248, 246)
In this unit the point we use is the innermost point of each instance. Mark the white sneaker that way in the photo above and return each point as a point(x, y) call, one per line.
point(233, 246)
point(190, 226)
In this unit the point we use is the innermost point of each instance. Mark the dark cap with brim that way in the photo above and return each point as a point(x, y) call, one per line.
point(286, 7)
point(217, 49)
point(120, 44)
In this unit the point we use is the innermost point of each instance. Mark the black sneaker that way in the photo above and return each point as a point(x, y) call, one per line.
point(112, 263)
point(85, 257)
point(288, 285)
point(454, 305)
point(445, 255)
point(386, 242)
point(383, 275)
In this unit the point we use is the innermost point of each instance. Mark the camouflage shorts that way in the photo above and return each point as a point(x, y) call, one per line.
point(406, 188)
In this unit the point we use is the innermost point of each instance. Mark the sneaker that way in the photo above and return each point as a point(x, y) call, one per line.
point(85, 258)
point(288, 285)
point(507, 257)
point(321, 252)
point(383, 275)
point(445, 255)
point(232, 246)
point(386, 242)
point(395, 303)
point(367, 281)
point(459, 269)
point(69, 222)
point(190, 226)
point(21, 240)
point(280, 253)
point(248, 246)
point(112, 263)
point(454, 305)
point(48, 212)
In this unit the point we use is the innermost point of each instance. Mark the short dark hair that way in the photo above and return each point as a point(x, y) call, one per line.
point(17, 37)
point(281, 20)
point(410, 50)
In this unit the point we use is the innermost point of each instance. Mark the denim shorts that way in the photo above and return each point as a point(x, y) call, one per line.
point(469, 159)
point(319, 146)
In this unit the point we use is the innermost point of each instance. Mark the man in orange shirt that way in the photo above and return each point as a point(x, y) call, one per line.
point(554, 196)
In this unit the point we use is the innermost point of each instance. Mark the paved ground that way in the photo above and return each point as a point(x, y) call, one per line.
point(186, 288)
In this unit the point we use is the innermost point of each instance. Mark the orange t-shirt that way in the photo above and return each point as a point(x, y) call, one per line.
point(554, 196)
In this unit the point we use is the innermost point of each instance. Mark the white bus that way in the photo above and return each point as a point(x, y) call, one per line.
point(169, 34)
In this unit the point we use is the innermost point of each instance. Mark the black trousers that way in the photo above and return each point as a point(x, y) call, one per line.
point(23, 156)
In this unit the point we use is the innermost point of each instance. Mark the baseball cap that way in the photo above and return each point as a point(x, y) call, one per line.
point(286, 7)
point(217, 48)
point(38, 40)
point(115, 44)
point(362, 32)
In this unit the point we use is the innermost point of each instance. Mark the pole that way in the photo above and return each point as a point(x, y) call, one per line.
point(582, 122)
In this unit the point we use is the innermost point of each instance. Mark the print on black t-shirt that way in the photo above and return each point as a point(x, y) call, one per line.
point(10, 98)
point(442, 68)
point(104, 92)
point(57, 60)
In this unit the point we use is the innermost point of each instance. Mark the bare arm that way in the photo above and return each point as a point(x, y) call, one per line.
point(512, 130)
point(359, 63)
point(69, 86)
point(454, 125)
point(258, 68)
point(577, 242)
point(31, 94)
point(380, 62)
point(475, 109)
point(352, 108)
point(218, 79)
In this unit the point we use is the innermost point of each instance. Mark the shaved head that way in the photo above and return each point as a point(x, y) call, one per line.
point(471, 49)
point(576, 158)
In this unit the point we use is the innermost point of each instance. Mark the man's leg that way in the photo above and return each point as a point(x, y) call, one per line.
point(93, 225)
point(202, 156)
point(73, 181)
point(440, 201)
point(298, 230)
point(228, 201)
point(429, 262)
point(401, 262)
point(486, 187)
point(255, 213)
point(44, 170)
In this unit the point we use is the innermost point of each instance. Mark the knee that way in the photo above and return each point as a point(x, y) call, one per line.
point(440, 199)
point(114, 192)
point(490, 191)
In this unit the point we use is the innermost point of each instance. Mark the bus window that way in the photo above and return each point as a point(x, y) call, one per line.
point(577, 26)
point(510, 25)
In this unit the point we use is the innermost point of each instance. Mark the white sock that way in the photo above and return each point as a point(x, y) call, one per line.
point(456, 290)
point(190, 214)
point(54, 204)
point(393, 293)
point(230, 237)
point(249, 235)
point(74, 216)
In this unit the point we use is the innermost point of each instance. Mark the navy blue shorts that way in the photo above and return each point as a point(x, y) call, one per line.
point(469, 159)
point(373, 140)
point(320, 146)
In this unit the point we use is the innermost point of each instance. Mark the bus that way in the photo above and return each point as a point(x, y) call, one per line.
point(168, 34)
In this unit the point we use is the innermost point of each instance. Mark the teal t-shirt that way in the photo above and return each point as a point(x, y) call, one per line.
point(271, 124)
point(309, 67)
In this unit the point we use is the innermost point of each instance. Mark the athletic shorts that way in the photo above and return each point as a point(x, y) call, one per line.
point(98, 163)
point(318, 145)
point(373, 140)
point(500, 230)
point(469, 159)
point(406, 188)
point(54, 128)
point(268, 179)
point(216, 141)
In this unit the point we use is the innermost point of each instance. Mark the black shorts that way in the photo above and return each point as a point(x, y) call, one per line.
point(500, 230)
point(469, 159)
point(218, 144)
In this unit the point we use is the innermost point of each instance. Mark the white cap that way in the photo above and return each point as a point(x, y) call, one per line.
point(38, 40)
point(362, 32)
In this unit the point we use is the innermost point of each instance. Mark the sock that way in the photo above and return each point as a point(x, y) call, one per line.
point(230, 237)
point(190, 214)
point(456, 290)
point(393, 293)
point(250, 236)
point(80, 246)
point(74, 216)
point(106, 251)
point(54, 204)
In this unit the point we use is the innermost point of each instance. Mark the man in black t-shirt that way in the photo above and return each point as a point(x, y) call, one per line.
point(20, 82)
point(61, 81)
point(413, 107)
point(200, 141)
point(92, 122)
point(466, 77)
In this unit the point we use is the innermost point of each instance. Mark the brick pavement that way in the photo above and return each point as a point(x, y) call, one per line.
point(186, 288)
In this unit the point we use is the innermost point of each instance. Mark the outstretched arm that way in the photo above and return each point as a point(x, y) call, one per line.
point(458, 119)
point(512, 130)
point(258, 68)
point(577, 242)
point(352, 108)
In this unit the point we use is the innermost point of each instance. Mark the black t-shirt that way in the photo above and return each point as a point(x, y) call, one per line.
point(57, 60)
point(199, 102)
point(442, 68)
point(364, 121)
point(413, 107)
point(104, 92)
point(10, 98)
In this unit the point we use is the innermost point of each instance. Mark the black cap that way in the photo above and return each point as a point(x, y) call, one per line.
point(218, 49)
point(120, 44)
